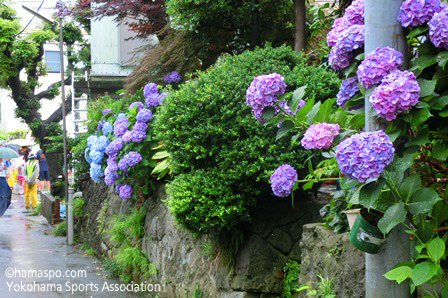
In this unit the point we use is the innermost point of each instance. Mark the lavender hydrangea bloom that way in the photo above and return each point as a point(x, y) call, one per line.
point(438, 29)
point(263, 92)
point(95, 172)
point(137, 104)
point(377, 65)
point(117, 188)
point(107, 128)
point(282, 180)
point(114, 147)
point(96, 156)
point(140, 126)
point(354, 14)
point(339, 25)
point(172, 77)
point(144, 116)
point(91, 140)
point(365, 155)
point(127, 137)
point(132, 158)
point(415, 13)
point(100, 125)
point(120, 126)
point(122, 165)
point(320, 136)
point(150, 88)
point(138, 136)
point(112, 167)
point(109, 179)
point(125, 191)
point(349, 40)
point(348, 88)
point(106, 111)
point(152, 100)
point(398, 92)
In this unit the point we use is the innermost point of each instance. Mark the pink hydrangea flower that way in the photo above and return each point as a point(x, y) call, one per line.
point(320, 136)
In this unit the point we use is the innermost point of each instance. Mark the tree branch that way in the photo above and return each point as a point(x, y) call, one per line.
point(57, 115)
point(47, 93)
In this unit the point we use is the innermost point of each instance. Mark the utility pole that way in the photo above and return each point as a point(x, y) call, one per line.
point(383, 30)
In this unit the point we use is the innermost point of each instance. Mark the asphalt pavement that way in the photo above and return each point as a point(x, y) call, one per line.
point(34, 263)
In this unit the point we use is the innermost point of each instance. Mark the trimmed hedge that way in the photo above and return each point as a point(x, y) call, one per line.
point(224, 155)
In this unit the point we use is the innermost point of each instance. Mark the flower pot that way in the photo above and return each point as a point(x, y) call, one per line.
point(351, 214)
point(365, 234)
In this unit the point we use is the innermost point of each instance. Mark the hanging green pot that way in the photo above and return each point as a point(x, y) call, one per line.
point(365, 234)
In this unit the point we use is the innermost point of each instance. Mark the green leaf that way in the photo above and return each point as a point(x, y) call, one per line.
point(325, 111)
point(438, 103)
point(284, 129)
point(436, 249)
point(399, 274)
point(350, 69)
point(444, 113)
point(442, 58)
point(419, 140)
point(370, 192)
point(340, 118)
point(422, 62)
point(440, 212)
point(420, 116)
point(424, 230)
point(357, 121)
point(427, 87)
point(313, 113)
point(423, 200)
point(417, 31)
point(410, 185)
point(423, 272)
point(161, 166)
point(297, 96)
point(310, 167)
point(302, 113)
point(440, 151)
point(395, 215)
point(160, 155)
point(268, 113)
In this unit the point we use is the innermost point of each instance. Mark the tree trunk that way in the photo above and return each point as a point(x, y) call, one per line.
point(300, 27)
point(255, 34)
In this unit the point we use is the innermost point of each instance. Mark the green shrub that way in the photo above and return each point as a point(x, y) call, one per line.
point(78, 204)
point(60, 230)
point(215, 141)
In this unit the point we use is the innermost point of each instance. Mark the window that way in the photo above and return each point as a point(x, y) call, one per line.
point(53, 61)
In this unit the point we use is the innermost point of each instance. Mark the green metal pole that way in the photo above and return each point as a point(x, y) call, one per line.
point(382, 29)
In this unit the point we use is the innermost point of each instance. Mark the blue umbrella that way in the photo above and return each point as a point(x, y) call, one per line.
point(8, 153)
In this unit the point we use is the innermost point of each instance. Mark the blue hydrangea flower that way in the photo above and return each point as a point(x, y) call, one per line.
point(95, 172)
point(152, 100)
point(107, 128)
point(283, 180)
point(114, 147)
point(348, 88)
point(87, 155)
point(100, 125)
point(125, 191)
point(96, 156)
point(91, 140)
point(144, 116)
point(121, 116)
point(365, 155)
point(101, 143)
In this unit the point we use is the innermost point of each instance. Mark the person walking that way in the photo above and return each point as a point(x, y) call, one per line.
point(5, 190)
point(31, 174)
point(44, 174)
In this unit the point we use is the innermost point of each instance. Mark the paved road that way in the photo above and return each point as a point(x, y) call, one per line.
point(25, 246)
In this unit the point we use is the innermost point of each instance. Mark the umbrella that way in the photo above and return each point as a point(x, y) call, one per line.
point(12, 146)
point(21, 142)
point(17, 162)
point(8, 153)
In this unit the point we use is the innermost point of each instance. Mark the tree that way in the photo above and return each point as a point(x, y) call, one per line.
point(20, 68)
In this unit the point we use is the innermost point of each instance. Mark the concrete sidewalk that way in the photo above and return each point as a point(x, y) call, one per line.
point(42, 265)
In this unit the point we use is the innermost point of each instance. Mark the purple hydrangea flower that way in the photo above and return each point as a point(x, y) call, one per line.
point(106, 111)
point(107, 128)
point(100, 124)
point(112, 167)
point(348, 88)
point(354, 14)
point(377, 65)
point(172, 77)
point(417, 12)
point(263, 92)
point(150, 88)
point(114, 147)
point(132, 158)
point(140, 126)
point(137, 104)
point(398, 92)
point(96, 156)
point(120, 126)
point(153, 100)
point(438, 29)
point(349, 40)
point(109, 179)
point(365, 155)
point(117, 188)
point(138, 136)
point(125, 191)
point(122, 165)
point(283, 180)
point(339, 25)
point(95, 172)
point(320, 136)
point(127, 137)
point(144, 116)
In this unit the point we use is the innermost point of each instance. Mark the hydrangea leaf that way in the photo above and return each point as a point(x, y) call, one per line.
point(427, 87)
point(440, 151)
point(395, 215)
point(442, 58)
point(423, 272)
point(420, 116)
point(297, 96)
point(369, 193)
point(312, 114)
point(417, 31)
point(423, 201)
point(436, 249)
point(438, 103)
point(421, 139)
point(399, 274)
point(325, 111)
point(284, 129)
point(410, 185)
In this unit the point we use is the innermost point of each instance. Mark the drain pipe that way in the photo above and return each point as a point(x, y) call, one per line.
point(382, 29)
point(70, 223)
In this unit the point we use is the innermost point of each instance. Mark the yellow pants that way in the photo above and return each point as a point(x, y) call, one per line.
point(31, 193)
